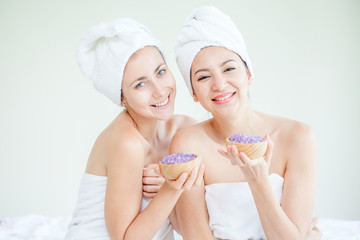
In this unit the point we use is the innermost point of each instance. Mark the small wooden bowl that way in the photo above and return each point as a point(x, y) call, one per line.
point(252, 150)
point(173, 171)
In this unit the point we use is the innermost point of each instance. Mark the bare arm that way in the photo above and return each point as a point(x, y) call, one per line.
point(191, 211)
point(192, 216)
point(124, 194)
point(300, 177)
point(291, 220)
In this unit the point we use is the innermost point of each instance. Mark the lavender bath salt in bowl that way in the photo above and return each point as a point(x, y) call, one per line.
point(172, 166)
point(252, 146)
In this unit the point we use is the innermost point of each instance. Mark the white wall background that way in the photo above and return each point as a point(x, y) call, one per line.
point(306, 58)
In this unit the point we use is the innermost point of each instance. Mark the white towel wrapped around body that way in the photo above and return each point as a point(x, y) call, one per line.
point(232, 210)
point(88, 220)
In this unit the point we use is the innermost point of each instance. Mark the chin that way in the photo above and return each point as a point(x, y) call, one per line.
point(163, 115)
point(166, 117)
point(223, 110)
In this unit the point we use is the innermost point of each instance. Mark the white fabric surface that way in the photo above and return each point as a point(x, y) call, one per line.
point(38, 227)
point(33, 227)
point(105, 49)
point(207, 26)
point(88, 221)
point(232, 210)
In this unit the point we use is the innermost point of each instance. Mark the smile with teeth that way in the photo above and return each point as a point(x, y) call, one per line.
point(224, 97)
point(162, 103)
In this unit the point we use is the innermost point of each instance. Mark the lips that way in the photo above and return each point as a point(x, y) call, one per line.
point(163, 103)
point(223, 98)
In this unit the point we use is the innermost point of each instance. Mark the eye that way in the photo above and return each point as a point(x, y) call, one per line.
point(229, 69)
point(203, 78)
point(161, 72)
point(140, 84)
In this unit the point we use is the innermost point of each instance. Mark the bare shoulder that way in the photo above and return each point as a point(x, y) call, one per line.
point(188, 139)
point(302, 145)
point(289, 130)
point(122, 141)
point(295, 140)
point(179, 122)
point(114, 146)
point(297, 132)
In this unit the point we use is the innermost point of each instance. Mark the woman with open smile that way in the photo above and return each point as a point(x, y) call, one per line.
point(268, 197)
point(125, 64)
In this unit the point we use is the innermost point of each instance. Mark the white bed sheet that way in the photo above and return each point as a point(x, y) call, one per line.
point(38, 227)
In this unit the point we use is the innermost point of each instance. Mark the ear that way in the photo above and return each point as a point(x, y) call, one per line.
point(122, 99)
point(123, 102)
point(250, 80)
point(195, 98)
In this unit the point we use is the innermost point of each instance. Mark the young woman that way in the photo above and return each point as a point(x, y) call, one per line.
point(269, 197)
point(124, 63)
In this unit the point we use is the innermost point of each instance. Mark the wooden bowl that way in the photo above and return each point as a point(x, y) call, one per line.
point(174, 170)
point(252, 150)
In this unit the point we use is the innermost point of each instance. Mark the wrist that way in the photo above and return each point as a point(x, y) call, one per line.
point(259, 181)
point(168, 188)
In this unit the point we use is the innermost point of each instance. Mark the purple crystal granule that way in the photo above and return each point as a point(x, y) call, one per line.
point(177, 158)
point(243, 138)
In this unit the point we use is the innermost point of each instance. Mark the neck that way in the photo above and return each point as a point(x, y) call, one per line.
point(148, 128)
point(241, 121)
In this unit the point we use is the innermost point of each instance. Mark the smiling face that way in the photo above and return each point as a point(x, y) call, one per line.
point(220, 80)
point(148, 86)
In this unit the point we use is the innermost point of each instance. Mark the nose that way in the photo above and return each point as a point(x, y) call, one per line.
point(158, 90)
point(219, 82)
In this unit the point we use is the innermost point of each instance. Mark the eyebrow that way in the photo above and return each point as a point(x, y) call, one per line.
point(201, 70)
point(224, 63)
point(221, 65)
point(157, 69)
point(143, 77)
point(138, 79)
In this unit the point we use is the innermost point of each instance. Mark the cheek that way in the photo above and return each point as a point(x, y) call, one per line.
point(238, 80)
point(137, 98)
point(200, 91)
point(171, 82)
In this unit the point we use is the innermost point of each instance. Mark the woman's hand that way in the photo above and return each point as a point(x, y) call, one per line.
point(152, 180)
point(253, 169)
point(313, 232)
point(185, 182)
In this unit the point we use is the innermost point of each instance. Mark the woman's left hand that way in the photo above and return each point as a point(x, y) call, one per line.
point(253, 169)
point(152, 180)
point(313, 232)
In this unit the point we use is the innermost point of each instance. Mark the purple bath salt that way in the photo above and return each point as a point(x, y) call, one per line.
point(243, 138)
point(177, 158)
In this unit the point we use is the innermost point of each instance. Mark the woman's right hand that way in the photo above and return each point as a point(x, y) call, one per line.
point(253, 169)
point(152, 180)
point(185, 182)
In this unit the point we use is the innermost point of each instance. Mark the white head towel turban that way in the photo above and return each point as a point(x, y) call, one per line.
point(105, 49)
point(207, 26)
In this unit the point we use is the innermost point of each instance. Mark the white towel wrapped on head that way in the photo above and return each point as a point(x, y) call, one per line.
point(105, 49)
point(207, 26)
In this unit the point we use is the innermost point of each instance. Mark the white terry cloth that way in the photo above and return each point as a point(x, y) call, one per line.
point(207, 26)
point(105, 49)
point(88, 221)
point(40, 227)
point(232, 210)
point(33, 227)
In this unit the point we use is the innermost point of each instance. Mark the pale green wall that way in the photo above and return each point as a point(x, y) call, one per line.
point(306, 62)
